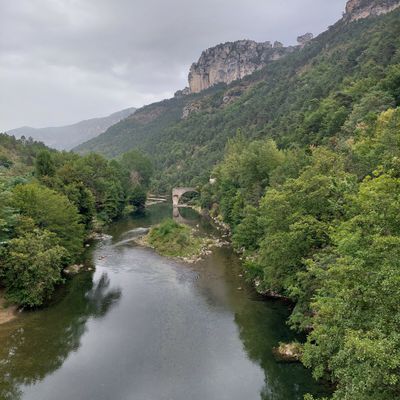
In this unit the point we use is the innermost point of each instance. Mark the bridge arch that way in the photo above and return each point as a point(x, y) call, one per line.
point(178, 192)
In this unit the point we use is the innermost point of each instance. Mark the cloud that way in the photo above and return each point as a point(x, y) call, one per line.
point(66, 60)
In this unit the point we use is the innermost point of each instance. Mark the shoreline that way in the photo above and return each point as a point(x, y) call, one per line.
point(7, 313)
point(204, 251)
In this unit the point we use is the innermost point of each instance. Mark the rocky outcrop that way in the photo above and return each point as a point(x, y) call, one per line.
point(191, 108)
point(231, 61)
point(304, 39)
point(183, 92)
point(359, 9)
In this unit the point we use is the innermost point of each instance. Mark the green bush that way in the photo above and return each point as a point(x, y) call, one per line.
point(53, 212)
point(172, 239)
point(30, 267)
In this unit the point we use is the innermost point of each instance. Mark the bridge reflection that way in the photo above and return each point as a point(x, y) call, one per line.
point(177, 216)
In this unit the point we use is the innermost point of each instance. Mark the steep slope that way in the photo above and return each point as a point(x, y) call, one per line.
point(17, 157)
point(142, 129)
point(231, 61)
point(67, 137)
point(291, 100)
point(359, 9)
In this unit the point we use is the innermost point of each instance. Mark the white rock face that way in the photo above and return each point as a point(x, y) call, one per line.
point(359, 9)
point(230, 61)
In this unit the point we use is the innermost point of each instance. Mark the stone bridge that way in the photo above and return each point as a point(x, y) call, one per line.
point(177, 193)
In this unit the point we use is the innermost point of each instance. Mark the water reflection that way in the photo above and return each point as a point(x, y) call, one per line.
point(185, 215)
point(282, 381)
point(39, 342)
point(178, 331)
point(261, 323)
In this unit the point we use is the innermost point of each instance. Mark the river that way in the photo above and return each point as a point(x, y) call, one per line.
point(143, 327)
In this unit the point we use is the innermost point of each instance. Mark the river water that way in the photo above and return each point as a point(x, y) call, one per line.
point(143, 327)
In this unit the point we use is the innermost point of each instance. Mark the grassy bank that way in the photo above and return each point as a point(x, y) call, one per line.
point(175, 240)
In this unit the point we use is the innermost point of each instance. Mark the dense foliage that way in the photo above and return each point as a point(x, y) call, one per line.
point(309, 184)
point(309, 187)
point(50, 202)
point(321, 226)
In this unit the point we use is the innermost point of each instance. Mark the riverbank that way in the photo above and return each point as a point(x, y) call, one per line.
point(7, 312)
point(172, 324)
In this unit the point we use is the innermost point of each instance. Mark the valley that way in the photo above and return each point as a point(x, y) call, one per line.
point(279, 281)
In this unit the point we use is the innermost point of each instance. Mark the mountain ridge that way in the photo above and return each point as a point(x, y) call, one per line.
point(68, 136)
point(360, 9)
point(286, 100)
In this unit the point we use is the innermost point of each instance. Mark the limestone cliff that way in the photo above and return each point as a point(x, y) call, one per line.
point(230, 61)
point(359, 9)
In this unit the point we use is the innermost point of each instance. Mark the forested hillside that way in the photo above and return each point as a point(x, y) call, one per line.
point(320, 226)
point(309, 184)
point(50, 203)
point(305, 156)
point(314, 206)
point(316, 95)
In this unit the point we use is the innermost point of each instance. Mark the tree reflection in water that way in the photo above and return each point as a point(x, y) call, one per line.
point(261, 325)
point(38, 343)
point(260, 329)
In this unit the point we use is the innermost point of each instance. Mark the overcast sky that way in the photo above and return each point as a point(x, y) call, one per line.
point(62, 61)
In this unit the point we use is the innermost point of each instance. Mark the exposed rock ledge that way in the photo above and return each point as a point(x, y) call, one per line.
point(231, 61)
point(360, 9)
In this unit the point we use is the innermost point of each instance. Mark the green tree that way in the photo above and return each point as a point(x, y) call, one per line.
point(138, 167)
point(53, 212)
point(137, 196)
point(244, 174)
point(7, 214)
point(356, 314)
point(44, 164)
point(378, 144)
point(249, 231)
point(30, 267)
point(83, 199)
point(296, 217)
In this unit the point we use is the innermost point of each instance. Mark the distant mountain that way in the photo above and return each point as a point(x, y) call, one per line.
point(67, 137)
